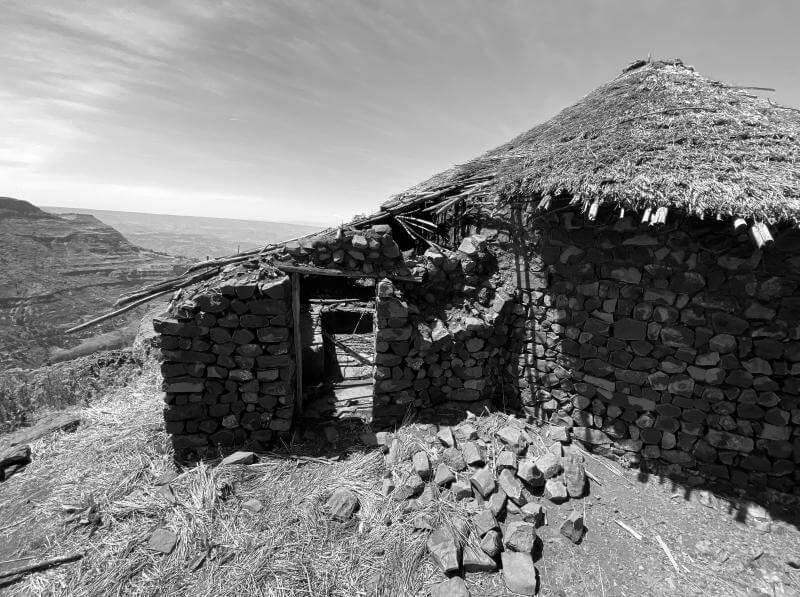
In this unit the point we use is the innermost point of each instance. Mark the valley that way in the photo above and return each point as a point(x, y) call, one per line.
point(59, 270)
point(194, 237)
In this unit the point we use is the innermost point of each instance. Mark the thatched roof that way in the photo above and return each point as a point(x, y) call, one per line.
point(660, 134)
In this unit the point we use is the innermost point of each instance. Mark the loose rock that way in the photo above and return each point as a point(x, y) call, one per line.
point(574, 477)
point(445, 550)
point(555, 491)
point(514, 438)
point(443, 476)
point(342, 504)
point(477, 560)
point(492, 543)
point(421, 464)
point(239, 458)
point(512, 486)
point(483, 482)
point(452, 587)
point(573, 528)
point(453, 458)
point(484, 522)
point(253, 505)
point(162, 541)
point(549, 464)
point(497, 502)
point(533, 513)
point(462, 489)
point(445, 436)
point(473, 455)
point(520, 536)
point(519, 572)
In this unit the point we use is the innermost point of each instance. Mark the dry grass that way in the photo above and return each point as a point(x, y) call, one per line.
point(25, 393)
point(291, 547)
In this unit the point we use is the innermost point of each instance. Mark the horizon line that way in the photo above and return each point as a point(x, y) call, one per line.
point(307, 223)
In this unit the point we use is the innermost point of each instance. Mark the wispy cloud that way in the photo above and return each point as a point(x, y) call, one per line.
point(298, 106)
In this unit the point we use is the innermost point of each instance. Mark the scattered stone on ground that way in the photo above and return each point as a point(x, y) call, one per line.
point(500, 476)
point(520, 536)
point(574, 476)
point(445, 435)
point(573, 528)
point(445, 548)
point(519, 572)
point(342, 504)
point(443, 476)
point(239, 457)
point(253, 505)
point(162, 541)
point(555, 491)
point(13, 459)
point(452, 587)
point(474, 559)
point(484, 522)
point(421, 464)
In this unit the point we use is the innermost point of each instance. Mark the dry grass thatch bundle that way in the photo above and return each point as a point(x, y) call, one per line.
point(659, 135)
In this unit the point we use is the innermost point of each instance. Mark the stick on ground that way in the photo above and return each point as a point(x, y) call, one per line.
point(41, 565)
point(635, 534)
point(668, 552)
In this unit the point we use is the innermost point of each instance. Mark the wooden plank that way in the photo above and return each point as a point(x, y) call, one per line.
point(298, 345)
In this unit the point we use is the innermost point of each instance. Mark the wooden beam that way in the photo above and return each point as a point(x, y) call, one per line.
point(348, 350)
point(298, 344)
point(310, 270)
point(133, 305)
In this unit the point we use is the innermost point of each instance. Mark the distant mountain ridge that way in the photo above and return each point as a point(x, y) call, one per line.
point(59, 270)
point(10, 208)
point(193, 236)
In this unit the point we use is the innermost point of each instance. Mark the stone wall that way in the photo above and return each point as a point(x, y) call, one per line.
point(679, 346)
point(372, 251)
point(228, 365)
point(440, 344)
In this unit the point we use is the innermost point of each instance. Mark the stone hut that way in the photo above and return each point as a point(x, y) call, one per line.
point(628, 270)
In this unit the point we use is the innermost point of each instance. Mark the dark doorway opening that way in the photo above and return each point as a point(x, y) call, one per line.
point(345, 385)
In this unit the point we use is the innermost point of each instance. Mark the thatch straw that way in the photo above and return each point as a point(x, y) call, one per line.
point(658, 135)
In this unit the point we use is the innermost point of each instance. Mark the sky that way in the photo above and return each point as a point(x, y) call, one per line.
point(316, 111)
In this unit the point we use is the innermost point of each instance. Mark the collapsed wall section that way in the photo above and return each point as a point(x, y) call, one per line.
point(228, 365)
point(679, 347)
point(440, 344)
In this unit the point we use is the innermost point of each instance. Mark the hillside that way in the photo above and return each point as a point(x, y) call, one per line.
point(58, 270)
point(193, 237)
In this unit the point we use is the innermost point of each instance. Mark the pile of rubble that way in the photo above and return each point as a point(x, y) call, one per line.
point(502, 477)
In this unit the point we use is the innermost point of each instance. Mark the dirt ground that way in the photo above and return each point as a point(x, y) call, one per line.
point(292, 548)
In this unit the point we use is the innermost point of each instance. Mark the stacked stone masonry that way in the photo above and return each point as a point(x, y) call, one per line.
point(438, 345)
point(679, 347)
point(372, 251)
point(227, 365)
point(675, 348)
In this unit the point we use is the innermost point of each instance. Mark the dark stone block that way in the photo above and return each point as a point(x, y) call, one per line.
point(630, 329)
point(725, 323)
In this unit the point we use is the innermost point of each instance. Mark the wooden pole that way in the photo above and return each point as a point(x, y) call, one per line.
point(41, 565)
point(133, 305)
point(298, 346)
